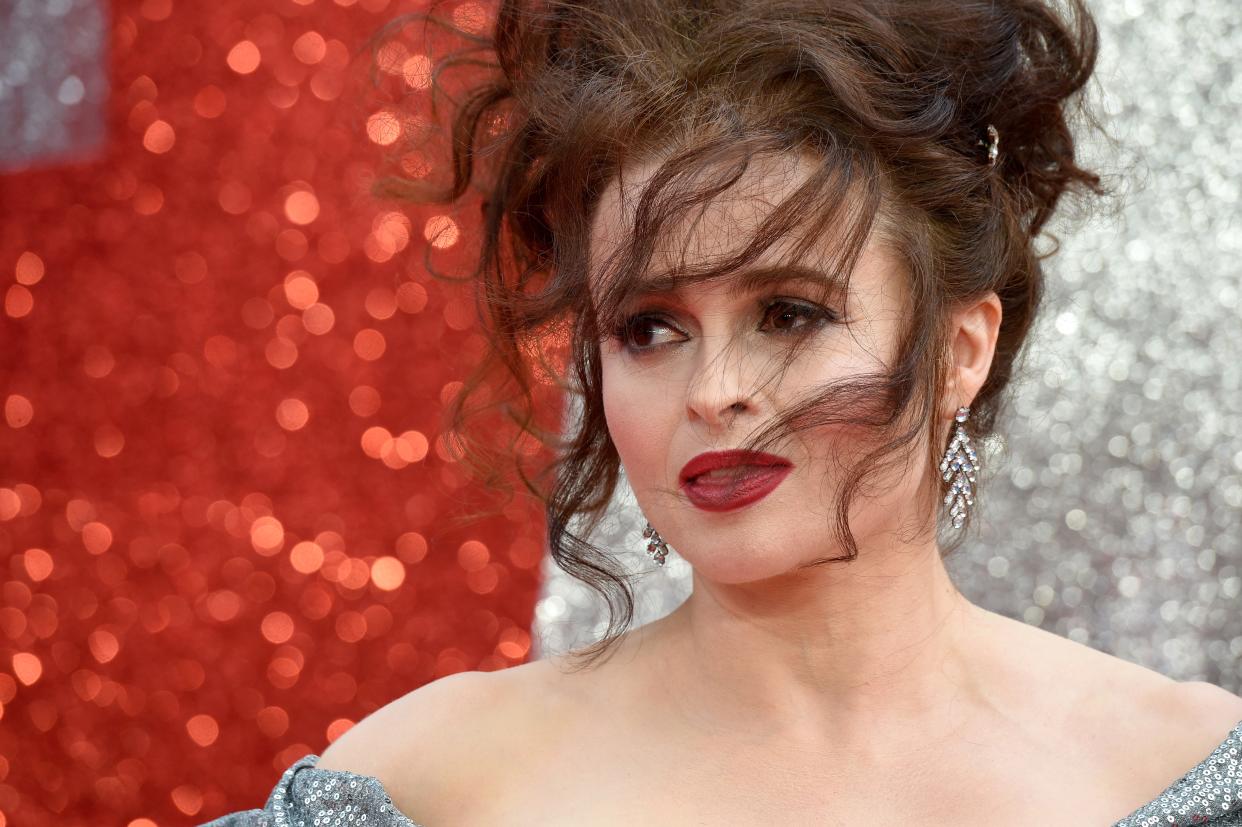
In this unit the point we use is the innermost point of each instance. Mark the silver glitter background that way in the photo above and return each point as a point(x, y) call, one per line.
point(1111, 508)
point(52, 99)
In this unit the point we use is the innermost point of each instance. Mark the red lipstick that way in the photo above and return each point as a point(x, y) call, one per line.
point(742, 477)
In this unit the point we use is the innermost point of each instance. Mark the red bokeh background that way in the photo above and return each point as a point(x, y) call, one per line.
point(227, 505)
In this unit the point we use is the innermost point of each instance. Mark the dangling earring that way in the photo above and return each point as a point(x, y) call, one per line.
point(656, 546)
point(960, 463)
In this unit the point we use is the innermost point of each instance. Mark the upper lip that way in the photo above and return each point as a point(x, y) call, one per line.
point(726, 459)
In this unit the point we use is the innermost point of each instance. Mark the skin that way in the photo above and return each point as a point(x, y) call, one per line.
point(854, 692)
point(847, 653)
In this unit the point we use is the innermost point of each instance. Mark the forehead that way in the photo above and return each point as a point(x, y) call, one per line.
point(704, 231)
point(725, 224)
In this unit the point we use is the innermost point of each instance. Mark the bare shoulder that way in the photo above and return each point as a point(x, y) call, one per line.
point(1210, 709)
point(1173, 724)
point(1196, 714)
point(424, 746)
point(1126, 711)
point(1183, 724)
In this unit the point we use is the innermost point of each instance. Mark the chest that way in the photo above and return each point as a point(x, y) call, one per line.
point(610, 784)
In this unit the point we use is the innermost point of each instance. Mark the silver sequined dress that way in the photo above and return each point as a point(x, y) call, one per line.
point(1209, 793)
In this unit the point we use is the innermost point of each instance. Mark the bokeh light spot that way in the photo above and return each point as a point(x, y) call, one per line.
point(388, 573)
point(223, 605)
point(459, 314)
point(416, 164)
point(309, 47)
point(187, 798)
point(281, 352)
point(391, 57)
point(203, 729)
point(39, 564)
point(18, 301)
point(369, 344)
point(473, 555)
point(29, 269)
point(383, 127)
point(156, 10)
point(411, 297)
point(148, 200)
point(210, 102)
point(234, 197)
point(381, 303)
point(97, 537)
point(291, 244)
point(30, 498)
point(267, 535)
point(292, 414)
point(318, 319)
point(449, 390)
point(364, 400)
point(351, 626)
point(302, 207)
point(301, 291)
point(272, 721)
point(27, 667)
point(417, 71)
point(470, 17)
point(441, 231)
point(390, 233)
point(244, 57)
point(374, 439)
point(103, 645)
point(338, 728)
point(306, 557)
point(412, 547)
point(97, 361)
point(109, 441)
point(257, 313)
point(413, 446)
point(18, 411)
point(159, 137)
point(277, 627)
point(72, 90)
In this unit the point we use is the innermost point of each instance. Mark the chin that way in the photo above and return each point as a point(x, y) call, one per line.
point(737, 553)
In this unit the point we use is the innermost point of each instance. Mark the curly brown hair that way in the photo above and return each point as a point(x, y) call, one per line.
point(892, 100)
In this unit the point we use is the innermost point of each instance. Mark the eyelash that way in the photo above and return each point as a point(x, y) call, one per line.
point(814, 313)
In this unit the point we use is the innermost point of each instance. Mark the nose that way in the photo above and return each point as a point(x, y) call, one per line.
point(720, 389)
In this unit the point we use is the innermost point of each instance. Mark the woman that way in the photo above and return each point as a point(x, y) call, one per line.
point(793, 243)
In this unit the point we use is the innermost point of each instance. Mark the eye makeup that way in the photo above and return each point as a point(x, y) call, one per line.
point(782, 316)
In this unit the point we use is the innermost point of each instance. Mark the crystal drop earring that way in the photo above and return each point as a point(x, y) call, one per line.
point(960, 464)
point(656, 546)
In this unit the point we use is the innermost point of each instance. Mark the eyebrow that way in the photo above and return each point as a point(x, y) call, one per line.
point(746, 281)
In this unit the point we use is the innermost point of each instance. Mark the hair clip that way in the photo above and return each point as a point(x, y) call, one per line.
point(993, 145)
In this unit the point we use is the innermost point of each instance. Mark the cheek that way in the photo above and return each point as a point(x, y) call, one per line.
point(634, 423)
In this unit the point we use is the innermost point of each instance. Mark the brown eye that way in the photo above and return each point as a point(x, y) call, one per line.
point(636, 332)
point(787, 316)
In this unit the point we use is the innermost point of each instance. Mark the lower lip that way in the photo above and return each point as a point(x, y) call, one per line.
point(727, 494)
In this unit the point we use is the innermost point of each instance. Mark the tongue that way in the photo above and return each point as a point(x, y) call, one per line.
point(731, 473)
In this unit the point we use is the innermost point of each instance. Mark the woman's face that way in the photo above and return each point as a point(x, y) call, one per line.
point(698, 371)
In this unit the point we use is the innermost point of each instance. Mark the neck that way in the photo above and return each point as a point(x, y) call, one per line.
point(836, 654)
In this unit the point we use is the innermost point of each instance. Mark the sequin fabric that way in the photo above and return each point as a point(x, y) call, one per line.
point(1209, 793)
point(307, 796)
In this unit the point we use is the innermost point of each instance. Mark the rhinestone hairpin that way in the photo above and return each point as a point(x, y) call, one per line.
point(993, 145)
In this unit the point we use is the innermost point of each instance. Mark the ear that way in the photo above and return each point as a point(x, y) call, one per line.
point(973, 335)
